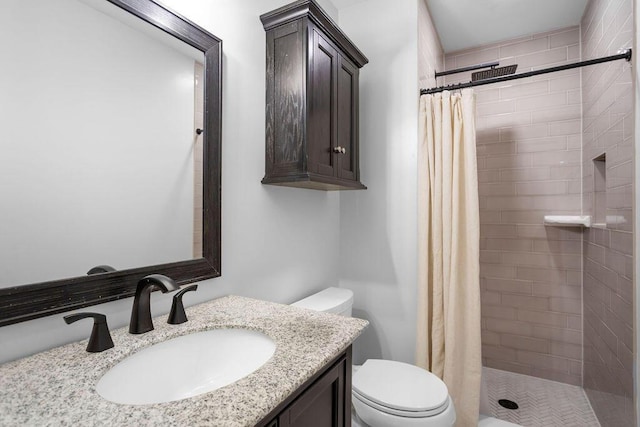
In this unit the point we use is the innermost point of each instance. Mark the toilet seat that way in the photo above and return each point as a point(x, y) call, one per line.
point(400, 389)
point(400, 413)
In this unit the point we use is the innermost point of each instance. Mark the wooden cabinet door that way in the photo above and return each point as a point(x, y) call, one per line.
point(285, 96)
point(322, 114)
point(322, 404)
point(347, 109)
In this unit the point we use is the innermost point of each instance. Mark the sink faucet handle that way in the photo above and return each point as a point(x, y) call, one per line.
point(177, 314)
point(100, 339)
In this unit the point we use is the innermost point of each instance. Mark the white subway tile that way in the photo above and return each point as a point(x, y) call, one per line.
point(565, 38)
point(524, 47)
point(541, 102)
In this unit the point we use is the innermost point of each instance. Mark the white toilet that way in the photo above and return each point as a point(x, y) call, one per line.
point(388, 393)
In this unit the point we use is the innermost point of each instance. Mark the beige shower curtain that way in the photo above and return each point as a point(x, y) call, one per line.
point(448, 342)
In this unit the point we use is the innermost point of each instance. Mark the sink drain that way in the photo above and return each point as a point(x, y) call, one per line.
point(509, 404)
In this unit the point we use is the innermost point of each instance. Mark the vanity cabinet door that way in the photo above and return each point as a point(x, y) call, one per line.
point(323, 401)
point(322, 404)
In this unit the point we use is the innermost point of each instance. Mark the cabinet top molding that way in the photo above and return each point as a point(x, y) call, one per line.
point(310, 9)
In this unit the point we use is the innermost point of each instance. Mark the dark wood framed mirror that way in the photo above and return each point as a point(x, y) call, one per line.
point(30, 301)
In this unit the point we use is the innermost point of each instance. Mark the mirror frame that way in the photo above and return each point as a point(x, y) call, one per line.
point(21, 303)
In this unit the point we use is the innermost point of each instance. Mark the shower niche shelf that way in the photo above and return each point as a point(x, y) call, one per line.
point(567, 221)
point(312, 95)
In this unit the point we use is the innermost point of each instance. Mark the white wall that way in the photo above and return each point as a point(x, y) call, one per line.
point(278, 244)
point(378, 226)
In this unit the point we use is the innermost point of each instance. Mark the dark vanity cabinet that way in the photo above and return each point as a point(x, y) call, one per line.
point(323, 401)
point(312, 100)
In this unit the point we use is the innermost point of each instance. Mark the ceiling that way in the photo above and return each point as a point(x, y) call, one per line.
point(339, 4)
point(462, 24)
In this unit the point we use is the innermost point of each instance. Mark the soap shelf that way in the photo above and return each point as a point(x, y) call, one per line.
point(567, 220)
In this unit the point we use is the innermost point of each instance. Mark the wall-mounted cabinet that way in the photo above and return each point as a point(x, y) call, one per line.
point(312, 100)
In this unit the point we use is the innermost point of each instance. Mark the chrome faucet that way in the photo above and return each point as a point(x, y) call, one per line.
point(141, 313)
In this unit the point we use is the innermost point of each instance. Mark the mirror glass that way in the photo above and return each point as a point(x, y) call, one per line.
point(100, 157)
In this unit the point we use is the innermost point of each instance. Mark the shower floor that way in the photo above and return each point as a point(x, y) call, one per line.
point(542, 403)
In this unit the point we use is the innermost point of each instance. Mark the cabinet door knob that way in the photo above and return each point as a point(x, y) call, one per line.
point(339, 150)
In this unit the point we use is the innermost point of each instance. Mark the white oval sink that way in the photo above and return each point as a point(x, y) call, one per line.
point(186, 366)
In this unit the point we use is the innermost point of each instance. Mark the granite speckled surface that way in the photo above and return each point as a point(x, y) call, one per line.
point(57, 387)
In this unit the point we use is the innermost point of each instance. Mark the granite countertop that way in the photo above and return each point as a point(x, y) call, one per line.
point(57, 387)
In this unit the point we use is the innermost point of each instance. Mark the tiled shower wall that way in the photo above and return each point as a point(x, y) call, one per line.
point(607, 93)
point(430, 56)
point(529, 154)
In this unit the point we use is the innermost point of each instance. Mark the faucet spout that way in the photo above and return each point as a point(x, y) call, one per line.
point(141, 313)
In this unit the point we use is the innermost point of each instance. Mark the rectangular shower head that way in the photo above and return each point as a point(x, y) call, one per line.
point(493, 72)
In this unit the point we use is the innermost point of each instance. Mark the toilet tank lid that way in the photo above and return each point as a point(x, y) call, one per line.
point(330, 300)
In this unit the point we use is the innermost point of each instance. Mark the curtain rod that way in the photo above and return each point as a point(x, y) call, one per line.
point(626, 54)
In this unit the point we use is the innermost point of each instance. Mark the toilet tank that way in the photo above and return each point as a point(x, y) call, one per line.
point(330, 300)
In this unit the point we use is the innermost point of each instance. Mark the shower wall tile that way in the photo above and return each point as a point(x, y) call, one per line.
point(542, 144)
point(565, 38)
point(564, 335)
point(525, 89)
point(539, 102)
point(564, 83)
point(526, 175)
point(549, 158)
point(549, 115)
point(608, 249)
point(555, 290)
point(524, 47)
point(522, 132)
point(570, 127)
point(529, 160)
point(430, 53)
point(552, 319)
point(476, 57)
point(492, 108)
point(543, 59)
point(504, 120)
point(542, 188)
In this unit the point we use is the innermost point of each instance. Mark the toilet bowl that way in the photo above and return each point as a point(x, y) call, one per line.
point(388, 393)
